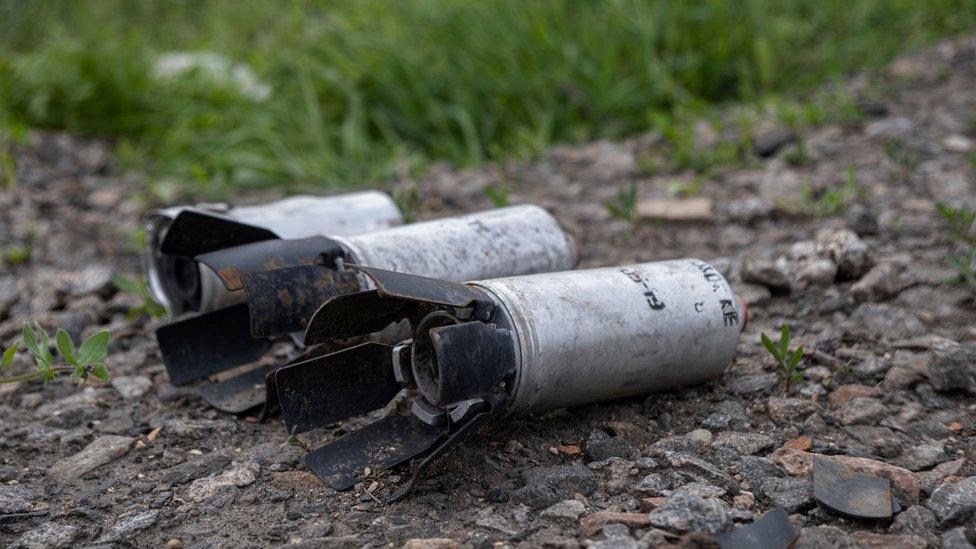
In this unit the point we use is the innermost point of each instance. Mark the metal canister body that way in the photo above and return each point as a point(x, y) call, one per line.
point(503, 242)
point(593, 335)
point(293, 217)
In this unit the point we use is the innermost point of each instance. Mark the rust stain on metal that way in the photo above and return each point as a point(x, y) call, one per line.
point(231, 277)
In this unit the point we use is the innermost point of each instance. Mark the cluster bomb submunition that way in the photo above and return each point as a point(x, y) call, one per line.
point(281, 283)
point(176, 235)
point(491, 348)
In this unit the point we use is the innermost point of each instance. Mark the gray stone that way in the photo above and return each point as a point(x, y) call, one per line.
point(861, 219)
point(744, 443)
point(954, 503)
point(194, 469)
point(752, 383)
point(823, 537)
point(842, 246)
point(131, 387)
point(755, 470)
point(601, 446)
point(545, 486)
point(209, 488)
point(883, 281)
point(700, 468)
point(652, 485)
point(886, 321)
point(883, 440)
point(915, 520)
point(862, 410)
point(956, 539)
point(871, 368)
point(48, 535)
point(128, 525)
point(790, 409)
point(726, 414)
point(922, 456)
point(568, 510)
point(792, 493)
point(953, 366)
point(759, 268)
point(15, 498)
point(684, 512)
point(768, 141)
point(100, 451)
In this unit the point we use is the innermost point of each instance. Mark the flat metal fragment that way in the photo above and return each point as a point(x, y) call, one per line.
point(772, 531)
point(333, 321)
point(849, 493)
point(380, 445)
point(206, 344)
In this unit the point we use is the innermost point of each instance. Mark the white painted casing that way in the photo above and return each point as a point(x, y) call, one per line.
point(508, 241)
point(593, 335)
point(299, 216)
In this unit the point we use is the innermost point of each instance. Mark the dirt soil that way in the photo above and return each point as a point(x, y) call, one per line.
point(887, 326)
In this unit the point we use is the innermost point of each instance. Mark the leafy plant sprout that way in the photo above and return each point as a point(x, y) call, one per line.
point(788, 360)
point(83, 362)
point(962, 230)
point(497, 194)
point(148, 306)
point(625, 206)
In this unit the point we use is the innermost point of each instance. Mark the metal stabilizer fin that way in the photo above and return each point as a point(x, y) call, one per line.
point(380, 445)
point(196, 232)
point(336, 386)
point(282, 301)
point(203, 345)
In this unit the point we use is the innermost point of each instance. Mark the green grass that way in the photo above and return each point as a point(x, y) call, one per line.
point(361, 89)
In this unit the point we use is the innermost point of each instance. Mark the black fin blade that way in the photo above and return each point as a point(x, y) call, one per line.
point(772, 530)
point(420, 288)
point(380, 445)
point(238, 394)
point(283, 301)
point(196, 232)
point(232, 263)
point(209, 343)
point(355, 314)
point(336, 386)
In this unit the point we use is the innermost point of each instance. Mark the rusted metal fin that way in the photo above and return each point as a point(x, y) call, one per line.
point(456, 438)
point(773, 531)
point(420, 288)
point(270, 399)
point(282, 301)
point(232, 263)
point(469, 360)
point(849, 493)
point(355, 314)
point(209, 343)
point(380, 445)
point(238, 394)
point(336, 386)
point(195, 232)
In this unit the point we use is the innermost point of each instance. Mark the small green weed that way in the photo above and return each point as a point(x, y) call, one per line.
point(408, 199)
point(833, 200)
point(149, 306)
point(625, 206)
point(797, 155)
point(498, 194)
point(86, 361)
point(896, 152)
point(15, 254)
point(788, 360)
point(962, 229)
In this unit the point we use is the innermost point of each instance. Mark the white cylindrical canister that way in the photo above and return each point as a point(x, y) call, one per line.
point(504, 242)
point(593, 335)
point(294, 217)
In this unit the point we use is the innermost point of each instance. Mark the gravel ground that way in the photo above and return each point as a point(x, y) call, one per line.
point(889, 369)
